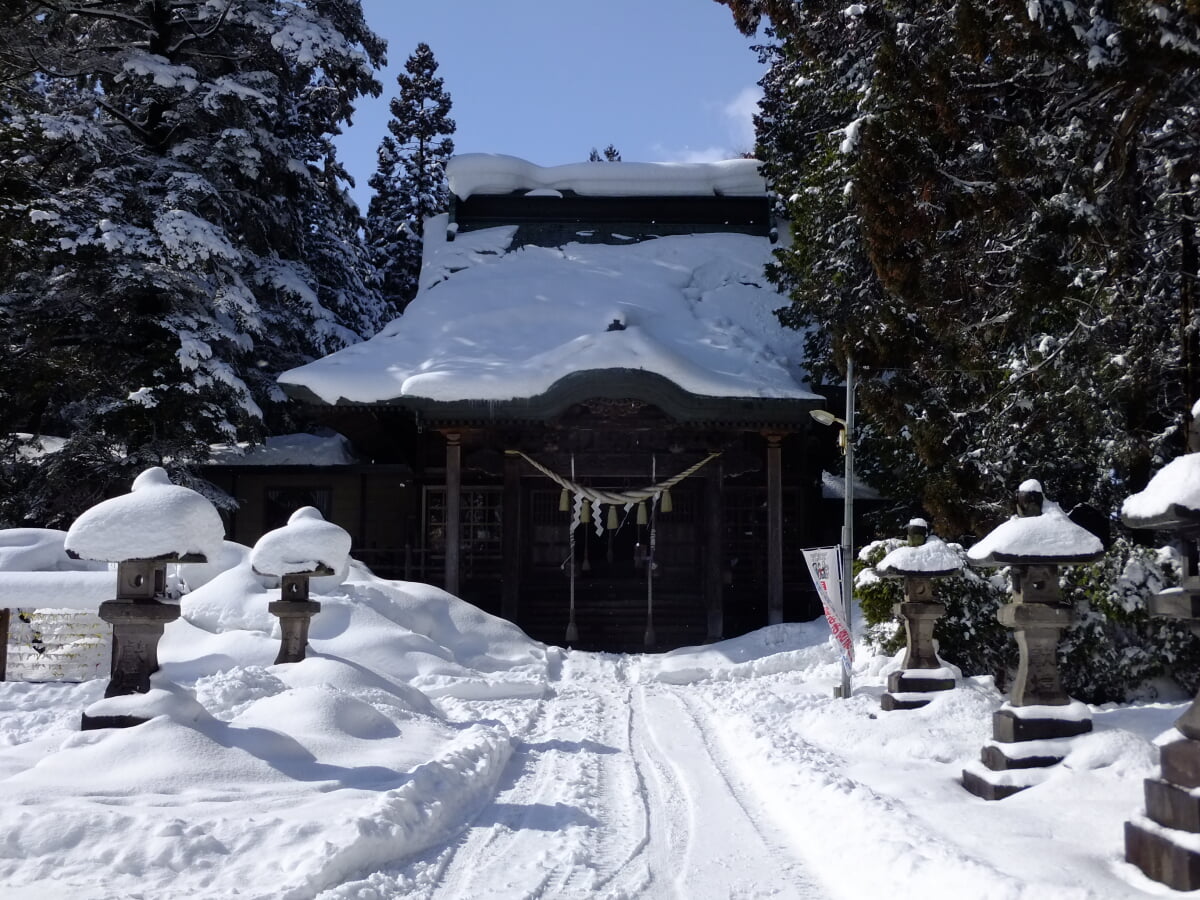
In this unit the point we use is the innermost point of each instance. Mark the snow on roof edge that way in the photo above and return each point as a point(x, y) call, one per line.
point(493, 173)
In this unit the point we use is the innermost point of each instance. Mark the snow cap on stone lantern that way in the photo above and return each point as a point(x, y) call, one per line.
point(930, 559)
point(156, 520)
point(1041, 534)
point(1171, 500)
point(307, 544)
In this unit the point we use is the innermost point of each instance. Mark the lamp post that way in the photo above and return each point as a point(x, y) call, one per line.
point(846, 440)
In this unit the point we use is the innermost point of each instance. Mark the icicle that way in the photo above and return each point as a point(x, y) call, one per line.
point(612, 518)
point(564, 500)
point(642, 519)
point(666, 505)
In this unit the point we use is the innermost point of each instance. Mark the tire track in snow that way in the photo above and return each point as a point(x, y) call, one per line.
point(727, 849)
point(569, 813)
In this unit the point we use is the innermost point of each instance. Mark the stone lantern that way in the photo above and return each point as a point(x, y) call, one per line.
point(923, 559)
point(1027, 731)
point(156, 524)
point(306, 546)
point(1165, 844)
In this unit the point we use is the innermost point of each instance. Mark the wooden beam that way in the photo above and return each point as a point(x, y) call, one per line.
point(453, 511)
point(774, 529)
point(511, 538)
point(714, 515)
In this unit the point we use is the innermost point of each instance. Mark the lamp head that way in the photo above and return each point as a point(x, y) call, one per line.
point(825, 417)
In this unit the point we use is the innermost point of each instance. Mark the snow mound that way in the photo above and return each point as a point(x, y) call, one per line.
point(156, 520)
point(795, 647)
point(39, 550)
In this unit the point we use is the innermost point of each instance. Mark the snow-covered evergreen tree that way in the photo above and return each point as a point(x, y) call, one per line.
point(173, 224)
point(991, 205)
point(609, 154)
point(410, 181)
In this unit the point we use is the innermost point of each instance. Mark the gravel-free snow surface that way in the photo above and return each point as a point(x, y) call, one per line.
point(428, 750)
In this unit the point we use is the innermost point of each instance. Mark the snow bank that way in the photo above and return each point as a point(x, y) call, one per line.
point(156, 519)
point(56, 590)
point(257, 780)
point(801, 648)
point(487, 173)
point(39, 550)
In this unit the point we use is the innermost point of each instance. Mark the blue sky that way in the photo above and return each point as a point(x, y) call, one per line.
point(547, 80)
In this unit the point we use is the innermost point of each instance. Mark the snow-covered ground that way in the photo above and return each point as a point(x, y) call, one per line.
point(428, 750)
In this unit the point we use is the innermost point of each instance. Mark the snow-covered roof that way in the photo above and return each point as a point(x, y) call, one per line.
point(287, 450)
point(493, 323)
point(1050, 538)
point(1172, 498)
point(489, 173)
point(307, 543)
point(932, 558)
point(156, 520)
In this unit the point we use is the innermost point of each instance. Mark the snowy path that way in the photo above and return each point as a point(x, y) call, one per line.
point(617, 790)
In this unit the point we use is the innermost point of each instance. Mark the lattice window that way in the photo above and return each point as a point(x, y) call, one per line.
point(480, 529)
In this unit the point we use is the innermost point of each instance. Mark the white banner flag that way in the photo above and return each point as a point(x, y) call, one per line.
point(825, 567)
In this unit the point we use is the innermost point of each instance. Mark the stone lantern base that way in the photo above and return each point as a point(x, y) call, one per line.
point(1026, 740)
point(910, 688)
point(1033, 732)
point(294, 618)
point(137, 629)
point(1164, 843)
point(923, 672)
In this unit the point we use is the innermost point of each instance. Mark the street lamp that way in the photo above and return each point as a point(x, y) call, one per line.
point(846, 442)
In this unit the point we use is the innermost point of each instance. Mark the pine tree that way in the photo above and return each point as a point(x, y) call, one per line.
point(609, 154)
point(991, 211)
point(410, 182)
point(170, 202)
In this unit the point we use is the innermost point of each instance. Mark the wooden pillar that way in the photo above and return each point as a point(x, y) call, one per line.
point(511, 538)
point(5, 618)
point(453, 511)
point(774, 529)
point(714, 513)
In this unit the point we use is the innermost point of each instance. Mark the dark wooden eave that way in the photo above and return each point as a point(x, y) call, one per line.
point(743, 215)
point(679, 405)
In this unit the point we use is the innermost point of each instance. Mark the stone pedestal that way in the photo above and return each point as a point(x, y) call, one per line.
point(137, 629)
point(1162, 843)
point(295, 611)
point(922, 671)
point(294, 619)
point(1039, 711)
